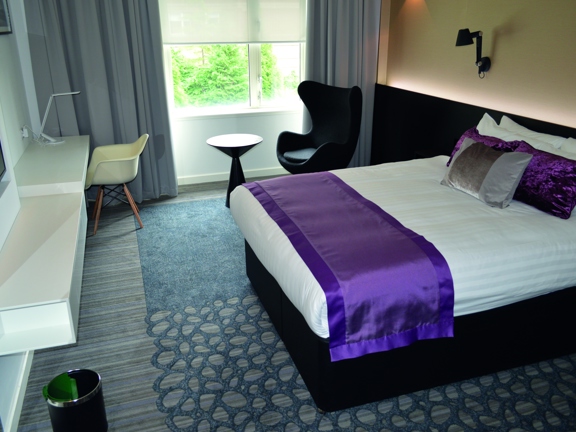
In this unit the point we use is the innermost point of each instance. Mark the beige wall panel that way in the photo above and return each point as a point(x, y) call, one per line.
point(531, 43)
point(383, 42)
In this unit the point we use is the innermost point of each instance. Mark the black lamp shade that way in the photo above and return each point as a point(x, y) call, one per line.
point(464, 38)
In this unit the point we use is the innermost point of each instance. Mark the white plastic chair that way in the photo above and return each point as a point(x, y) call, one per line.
point(114, 165)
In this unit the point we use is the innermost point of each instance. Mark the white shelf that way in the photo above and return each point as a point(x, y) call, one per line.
point(40, 267)
point(41, 263)
point(14, 372)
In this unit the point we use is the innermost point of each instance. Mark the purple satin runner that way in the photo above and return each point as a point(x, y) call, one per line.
point(386, 286)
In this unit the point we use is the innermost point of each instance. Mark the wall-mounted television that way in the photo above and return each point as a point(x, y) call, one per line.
point(2, 162)
point(9, 200)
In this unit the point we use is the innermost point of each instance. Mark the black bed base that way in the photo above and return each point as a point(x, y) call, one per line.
point(486, 342)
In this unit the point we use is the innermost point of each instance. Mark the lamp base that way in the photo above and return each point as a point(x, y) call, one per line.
point(44, 139)
point(483, 65)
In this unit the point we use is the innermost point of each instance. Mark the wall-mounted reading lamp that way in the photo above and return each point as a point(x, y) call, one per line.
point(466, 38)
point(42, 137)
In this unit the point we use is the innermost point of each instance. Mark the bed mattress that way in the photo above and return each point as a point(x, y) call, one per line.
point(496, 256)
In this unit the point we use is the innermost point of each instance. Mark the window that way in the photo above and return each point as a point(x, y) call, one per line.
point(235, 75)
point(233, 54)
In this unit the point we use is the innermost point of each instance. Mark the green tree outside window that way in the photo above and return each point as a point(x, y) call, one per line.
point(218, 75)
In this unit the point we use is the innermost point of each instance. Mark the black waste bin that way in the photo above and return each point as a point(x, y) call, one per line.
point(75, 402)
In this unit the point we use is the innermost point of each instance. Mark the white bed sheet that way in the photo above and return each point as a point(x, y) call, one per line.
point(496, 256)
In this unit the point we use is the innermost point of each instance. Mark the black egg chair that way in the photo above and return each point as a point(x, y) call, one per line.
point(336, 114)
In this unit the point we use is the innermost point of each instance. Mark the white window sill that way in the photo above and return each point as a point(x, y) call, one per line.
point(183, 114)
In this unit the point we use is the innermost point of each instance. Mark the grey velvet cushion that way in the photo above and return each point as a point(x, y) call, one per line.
point(489, 175)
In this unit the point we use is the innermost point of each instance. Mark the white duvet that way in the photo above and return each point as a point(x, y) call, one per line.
point(496, 256)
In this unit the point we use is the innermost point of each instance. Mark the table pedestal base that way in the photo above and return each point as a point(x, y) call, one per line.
point(236, 178)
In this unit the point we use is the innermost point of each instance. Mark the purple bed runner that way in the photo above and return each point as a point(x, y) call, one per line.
point(386, 286)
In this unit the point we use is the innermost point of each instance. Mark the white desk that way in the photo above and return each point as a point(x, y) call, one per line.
point(57, 169)
point(41, 261)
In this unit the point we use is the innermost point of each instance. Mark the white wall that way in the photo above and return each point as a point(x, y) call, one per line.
point(13, 115)
point(13, 88)
point(197, 162)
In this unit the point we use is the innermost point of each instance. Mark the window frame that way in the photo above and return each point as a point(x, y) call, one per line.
point(254, 80)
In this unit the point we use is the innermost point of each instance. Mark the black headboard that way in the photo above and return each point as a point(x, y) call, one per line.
point(409, 124)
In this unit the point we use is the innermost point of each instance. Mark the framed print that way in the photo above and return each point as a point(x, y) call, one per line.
point(5, 26)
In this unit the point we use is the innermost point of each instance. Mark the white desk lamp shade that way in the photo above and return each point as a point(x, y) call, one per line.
point(42, 137)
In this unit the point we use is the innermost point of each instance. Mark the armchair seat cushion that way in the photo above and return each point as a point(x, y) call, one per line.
point(298, 156)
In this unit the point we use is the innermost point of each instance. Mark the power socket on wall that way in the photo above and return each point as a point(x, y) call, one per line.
point(24, 132)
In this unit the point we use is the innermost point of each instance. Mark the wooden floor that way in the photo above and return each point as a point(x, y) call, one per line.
point(198, 191)
point(193, 192)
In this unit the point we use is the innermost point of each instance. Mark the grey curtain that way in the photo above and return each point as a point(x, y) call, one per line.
point(342, 50)
point(111, 51)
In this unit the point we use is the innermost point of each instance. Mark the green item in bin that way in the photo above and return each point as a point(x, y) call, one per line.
point(61, 389)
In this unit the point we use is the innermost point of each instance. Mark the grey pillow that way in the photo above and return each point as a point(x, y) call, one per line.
point(489, 175)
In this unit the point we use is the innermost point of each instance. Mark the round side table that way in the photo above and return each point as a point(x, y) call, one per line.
point(234, 145)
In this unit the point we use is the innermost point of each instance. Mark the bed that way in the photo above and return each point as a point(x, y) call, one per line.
point(512, 268)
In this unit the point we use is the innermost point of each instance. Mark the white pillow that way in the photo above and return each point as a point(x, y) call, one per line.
point(527, 134)
point(560, 152)
point(488, 127)
point(569, 145)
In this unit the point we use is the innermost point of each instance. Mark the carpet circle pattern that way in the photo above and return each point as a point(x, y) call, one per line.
point(224, 368)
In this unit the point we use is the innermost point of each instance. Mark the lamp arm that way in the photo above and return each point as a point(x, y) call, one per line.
point(483, 63)
point(478, 48)
point(46, 114)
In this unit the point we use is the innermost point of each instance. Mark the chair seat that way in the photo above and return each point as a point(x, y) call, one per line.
point(299, 155)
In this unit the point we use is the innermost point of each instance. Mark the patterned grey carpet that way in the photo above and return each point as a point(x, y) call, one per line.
point(223, 367)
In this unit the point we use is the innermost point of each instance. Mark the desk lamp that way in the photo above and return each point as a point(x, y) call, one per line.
point(42, 137)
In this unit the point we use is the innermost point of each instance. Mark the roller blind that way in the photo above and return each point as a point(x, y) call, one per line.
point(232, 21)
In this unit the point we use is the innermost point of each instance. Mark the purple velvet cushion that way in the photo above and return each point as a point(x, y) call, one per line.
point(549, 182)
point(495, 143)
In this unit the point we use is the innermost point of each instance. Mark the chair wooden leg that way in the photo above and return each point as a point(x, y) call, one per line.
point(98, 196)
point(98, 207)
point(133, 205)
